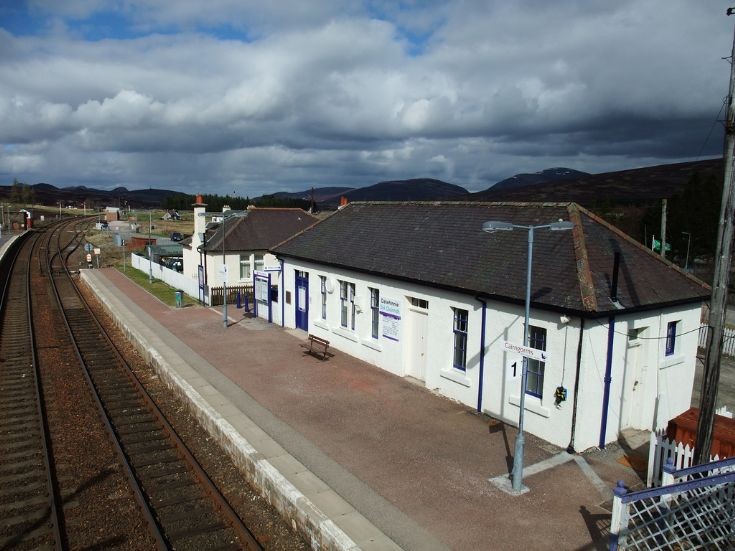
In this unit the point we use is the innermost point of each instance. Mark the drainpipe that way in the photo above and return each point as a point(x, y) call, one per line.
point(283, 293)
point(482, 354)
point(570, 447)
point(608, 364)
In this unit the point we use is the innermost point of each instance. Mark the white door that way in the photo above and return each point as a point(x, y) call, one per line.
point(635, 371)
point(416, 365)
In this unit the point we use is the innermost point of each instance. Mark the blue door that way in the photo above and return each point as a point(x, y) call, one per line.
point(302, 300)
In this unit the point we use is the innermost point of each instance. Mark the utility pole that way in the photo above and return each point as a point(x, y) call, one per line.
point(718, 302)
point(663, 227)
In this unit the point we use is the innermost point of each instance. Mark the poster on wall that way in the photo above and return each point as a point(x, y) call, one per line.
point(390, 311)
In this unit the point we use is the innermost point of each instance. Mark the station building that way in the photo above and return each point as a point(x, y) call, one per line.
point(240, 242)
point(420, 290)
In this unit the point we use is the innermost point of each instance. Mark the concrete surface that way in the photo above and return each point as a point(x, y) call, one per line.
point(358, 457)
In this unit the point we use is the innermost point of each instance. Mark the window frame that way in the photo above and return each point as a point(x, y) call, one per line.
point(670, 347)
point(347, 295)
point(460, 329)
point(246, 264)
point(258, 262)
point(536, 367)
point(374, 312)
point(323, 289)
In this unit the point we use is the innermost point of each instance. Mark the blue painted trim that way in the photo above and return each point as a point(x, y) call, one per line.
point(283, 293)
point(482, 354)
point(704, 467)
point(608, 380)
point(679, 487)
point(270, 301)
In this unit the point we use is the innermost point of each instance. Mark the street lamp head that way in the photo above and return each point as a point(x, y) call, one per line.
point(561, 225)
point(494, 225)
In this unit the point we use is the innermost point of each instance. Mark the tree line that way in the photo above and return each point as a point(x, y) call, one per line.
point(216, 202)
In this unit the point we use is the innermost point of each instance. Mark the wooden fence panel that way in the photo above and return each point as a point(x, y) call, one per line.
point(216, 294)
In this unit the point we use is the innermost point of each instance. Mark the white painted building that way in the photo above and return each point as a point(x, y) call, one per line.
point(244, 250)
point(418, 289)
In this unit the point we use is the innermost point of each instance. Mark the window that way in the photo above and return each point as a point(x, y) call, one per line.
point(259, 264)
point(347, 304)
point(419, 302)
point(323, 286)
point(245, 268)
point(671, 338)
point(535, 376)
point(460, 338)
point(374, 311)
point(274, 293)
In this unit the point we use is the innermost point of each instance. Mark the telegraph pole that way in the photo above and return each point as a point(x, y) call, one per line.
point(663, 227)
point(718, 301)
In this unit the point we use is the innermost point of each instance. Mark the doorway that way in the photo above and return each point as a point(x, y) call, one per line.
point(302, 300)
point(416, 343)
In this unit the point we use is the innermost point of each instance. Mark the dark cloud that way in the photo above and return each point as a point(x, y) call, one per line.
point(350, 93)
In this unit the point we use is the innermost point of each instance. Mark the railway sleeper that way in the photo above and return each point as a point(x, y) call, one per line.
point(145, 436)
point(152, 472)
point(129, 420)
point(149, 446)
point(221, 539)
point(142, 459)
point(138, 428)
point(8, 509)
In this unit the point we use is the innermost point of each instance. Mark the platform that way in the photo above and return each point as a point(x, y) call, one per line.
point(355, 456)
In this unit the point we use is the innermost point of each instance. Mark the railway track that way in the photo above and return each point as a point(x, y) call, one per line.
point(30, 505)
point(183, 507)
point(178, 504)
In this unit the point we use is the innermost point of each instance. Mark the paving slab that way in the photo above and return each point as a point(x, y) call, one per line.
point(386, 463)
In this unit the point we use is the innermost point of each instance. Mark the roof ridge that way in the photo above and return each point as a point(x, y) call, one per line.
point(318, 221)
point(584, 273)
point(466, 203)
point(640, 246)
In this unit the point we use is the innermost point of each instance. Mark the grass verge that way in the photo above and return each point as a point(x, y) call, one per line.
point(162, 291)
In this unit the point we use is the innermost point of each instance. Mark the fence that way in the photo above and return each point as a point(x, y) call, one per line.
point(171, 277)
point(246, 293)
point(662, 450)
point(693, 509)
point(728, 339)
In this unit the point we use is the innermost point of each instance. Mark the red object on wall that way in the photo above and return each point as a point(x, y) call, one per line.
point(684, 429)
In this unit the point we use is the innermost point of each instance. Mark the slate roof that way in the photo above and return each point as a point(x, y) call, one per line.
point(442, 244)
point(259, 229)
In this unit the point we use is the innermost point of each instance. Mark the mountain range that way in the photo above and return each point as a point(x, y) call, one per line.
point(558, 184)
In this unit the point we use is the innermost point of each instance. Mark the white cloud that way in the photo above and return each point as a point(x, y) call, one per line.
point(334, 92)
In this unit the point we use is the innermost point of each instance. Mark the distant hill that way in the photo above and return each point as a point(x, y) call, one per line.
point(548, 175)
point(623, 186)
point(320, 194)
point(417, 189)
point(47, 194)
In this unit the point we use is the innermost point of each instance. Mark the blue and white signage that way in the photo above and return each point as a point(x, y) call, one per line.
point(390, 311)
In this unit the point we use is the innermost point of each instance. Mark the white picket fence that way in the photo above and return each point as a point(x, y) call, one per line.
point(660, 449)
point(728, 339)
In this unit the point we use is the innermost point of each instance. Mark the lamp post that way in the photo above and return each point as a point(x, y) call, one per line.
point(689, 240)
point(231, 214)
point(490, 227)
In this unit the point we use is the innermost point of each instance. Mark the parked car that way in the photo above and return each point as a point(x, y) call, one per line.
point(176, 236)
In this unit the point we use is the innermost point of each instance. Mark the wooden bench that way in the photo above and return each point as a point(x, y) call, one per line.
point(313, 339)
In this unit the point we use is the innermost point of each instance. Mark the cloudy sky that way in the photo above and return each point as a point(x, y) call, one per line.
point(251, 97)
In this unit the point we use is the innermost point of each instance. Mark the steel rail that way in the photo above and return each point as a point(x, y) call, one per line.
point(226, 511)
point(54, 506)
point(143, 506)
